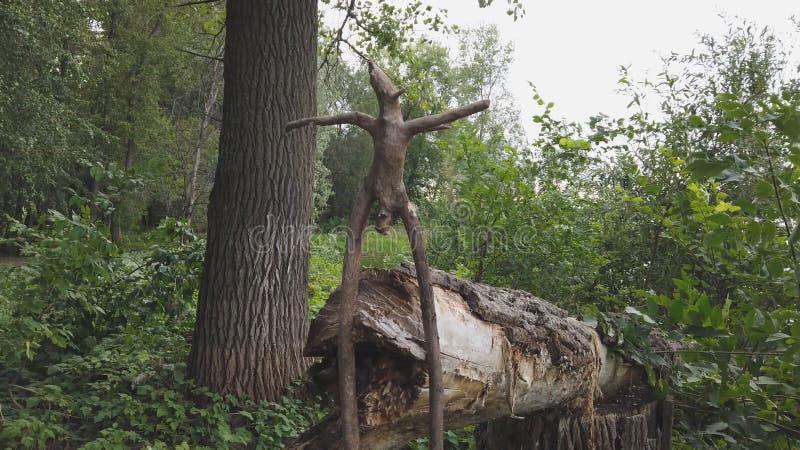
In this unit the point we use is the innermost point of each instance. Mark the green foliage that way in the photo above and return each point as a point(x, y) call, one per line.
point(718, 185)
point(380, 26)
point(738, 375)
point(79, 287)
point(325, 273)
point(505, 224)
point(95, 341)
point(105, 82)
point(128, 391)
point(697, 237)
point(42, 131)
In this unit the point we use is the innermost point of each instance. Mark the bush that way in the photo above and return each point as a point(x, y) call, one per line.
point(95, 341)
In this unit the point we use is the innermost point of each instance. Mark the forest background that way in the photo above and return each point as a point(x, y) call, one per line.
point(685, 221)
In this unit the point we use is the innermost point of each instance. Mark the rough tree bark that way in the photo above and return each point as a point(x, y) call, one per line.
point(504, 354)
point(252, 314)
point(384, 184)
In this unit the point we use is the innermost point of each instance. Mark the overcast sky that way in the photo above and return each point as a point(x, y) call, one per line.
point(572, 49)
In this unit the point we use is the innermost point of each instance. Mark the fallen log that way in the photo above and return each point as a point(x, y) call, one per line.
point(505, 353)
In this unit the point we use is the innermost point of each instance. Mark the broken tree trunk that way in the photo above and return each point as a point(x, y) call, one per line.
point(504, 353)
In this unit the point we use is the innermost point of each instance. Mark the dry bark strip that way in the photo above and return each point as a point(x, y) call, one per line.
point(384, 184)
point(505, 353)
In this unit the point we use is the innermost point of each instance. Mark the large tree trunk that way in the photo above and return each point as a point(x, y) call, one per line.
point(252, 313)
point(504, 354)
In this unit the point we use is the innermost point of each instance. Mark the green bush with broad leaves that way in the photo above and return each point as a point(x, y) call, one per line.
point(715, 185)
point(687, 223)
point(94, 347)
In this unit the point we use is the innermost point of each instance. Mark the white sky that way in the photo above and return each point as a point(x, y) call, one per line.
point(572, 49)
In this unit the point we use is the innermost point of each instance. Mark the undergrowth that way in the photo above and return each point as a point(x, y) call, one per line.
point(94, 344)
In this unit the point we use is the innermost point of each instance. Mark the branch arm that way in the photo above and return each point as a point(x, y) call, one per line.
point(215, 58)
point(358, 119)
point(438, 128)
point(200, 2)
point(436, 121)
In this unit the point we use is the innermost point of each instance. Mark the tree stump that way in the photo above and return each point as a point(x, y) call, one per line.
point(633, 419)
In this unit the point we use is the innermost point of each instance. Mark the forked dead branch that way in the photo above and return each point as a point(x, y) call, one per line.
point(384, 184)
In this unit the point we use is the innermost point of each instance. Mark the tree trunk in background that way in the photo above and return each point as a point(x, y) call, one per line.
point(130, 154)
point(115, 228)
point(94, 188)
point(208, 108)
point(20, 208)
point(252, 314)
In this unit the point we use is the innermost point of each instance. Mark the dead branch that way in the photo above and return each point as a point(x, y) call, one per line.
point(384, 184)
point(431, 123)
point(199, 2)
point(215, 58)
point(359, 119)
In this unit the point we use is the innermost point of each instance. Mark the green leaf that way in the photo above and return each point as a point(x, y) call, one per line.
point(676, 311)
point(775, 267)
point(795, 235)
point(715, 238)
point(766, 381)
point(695, 121)
point(768, 230)
point(729, 136)
point(635, 312)
point(729, 176)
point(716, 427)
point(704, 168)
point(777, 337)
point(720, 218)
